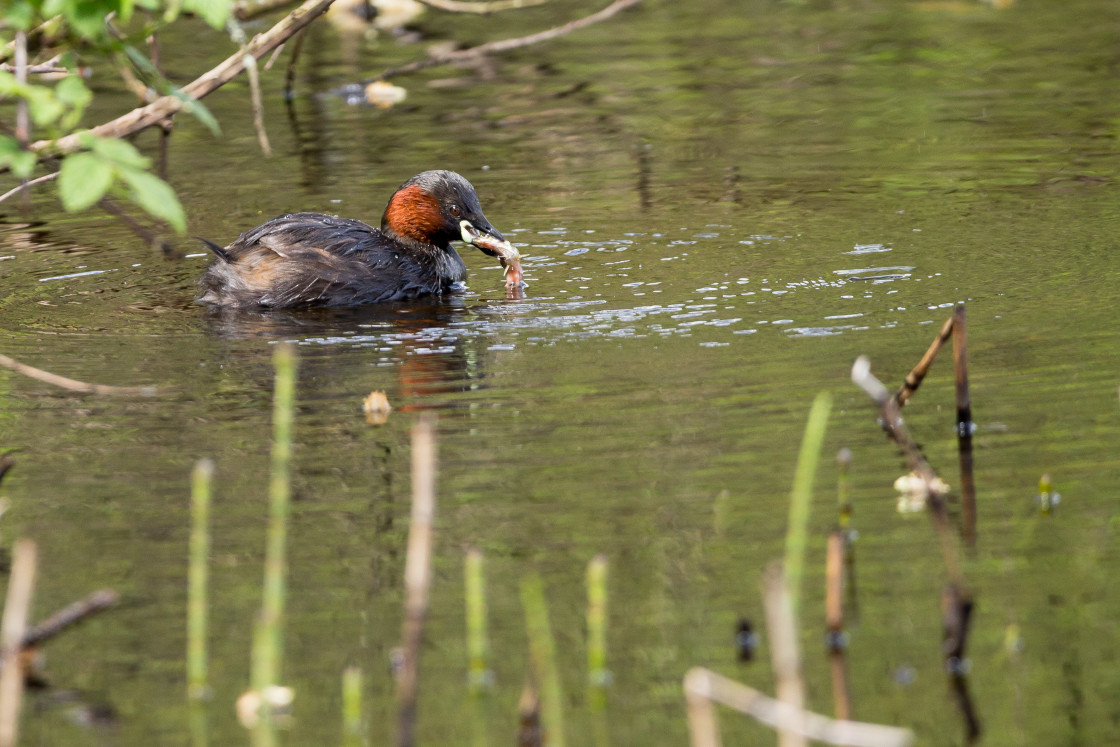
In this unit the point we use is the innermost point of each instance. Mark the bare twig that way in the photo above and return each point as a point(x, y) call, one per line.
point(482, 8)
point(238, 36)
point(506, 45)
point(16, 190)
point(293, 60)
point(70, 615)
point(146, 116)
point(17, 606)
point(73, 384)
point(705, 684)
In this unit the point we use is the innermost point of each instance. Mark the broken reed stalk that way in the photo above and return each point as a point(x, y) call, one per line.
point(417, 573)
point(703, 687)
point(964, 426)
point(785, 651)
point(17, 607)
point(914, 378)
point(481, 8)
point(801, 496)
point(896, 430)
point(542, 655)
point(834, 620)
point(479, 678)
point(197, 578)
point(352, 704)
point(268, 633)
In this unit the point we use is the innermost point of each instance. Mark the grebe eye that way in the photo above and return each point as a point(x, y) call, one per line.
point(455, 210)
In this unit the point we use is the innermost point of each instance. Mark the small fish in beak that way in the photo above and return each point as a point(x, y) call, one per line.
point(494, 244)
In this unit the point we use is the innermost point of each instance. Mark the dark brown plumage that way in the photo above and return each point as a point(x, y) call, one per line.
point(311, 259)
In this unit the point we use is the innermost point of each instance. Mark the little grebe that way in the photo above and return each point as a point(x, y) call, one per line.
point(311, 259)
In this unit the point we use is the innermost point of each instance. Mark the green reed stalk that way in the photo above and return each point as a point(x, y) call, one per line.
point(844, 486)
point(197, 579)
point(801, 495)
point(597, 673)
point(352, 704)
point(268, 649)
point(542, 654)
point(479, 678)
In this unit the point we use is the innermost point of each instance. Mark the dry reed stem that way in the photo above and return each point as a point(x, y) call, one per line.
point(704, 685)
point(834, 619)
point(785, 652)
point(73, 384)
point(417, 573)
point(17, 607)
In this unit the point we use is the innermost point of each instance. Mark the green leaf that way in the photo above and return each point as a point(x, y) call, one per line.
point(23, 163)
point(87, 18)
point(20, 15)
point(120, 152)
point(198, 109)
point(156, 196)
point(44, 107)
point(83, 180)
point(9, 86)
point(214, 12)
point(72, 91)
point(125, 12)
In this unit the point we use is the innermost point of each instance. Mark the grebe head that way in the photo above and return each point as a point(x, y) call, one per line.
point(438, 207)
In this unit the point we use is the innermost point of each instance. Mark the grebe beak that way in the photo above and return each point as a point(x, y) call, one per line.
point(489, 241)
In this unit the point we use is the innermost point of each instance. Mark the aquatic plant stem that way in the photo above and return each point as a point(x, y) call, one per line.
point(918, 373)
point(597, 674)
point(268, 634)
point(785, 651)
point(352, 705)
point(17, 608)
point(542, 655)
point(197, 578)
point(417, 574)
point(801, 497)
point(479, 677)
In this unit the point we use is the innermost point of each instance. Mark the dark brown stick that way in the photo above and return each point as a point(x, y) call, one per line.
point(956, 613)
point(505, 45)
point(834, 619)
point(71, 614)
point(964, 427)
point(149, 237)
point(146, 116)
point(914, 378)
